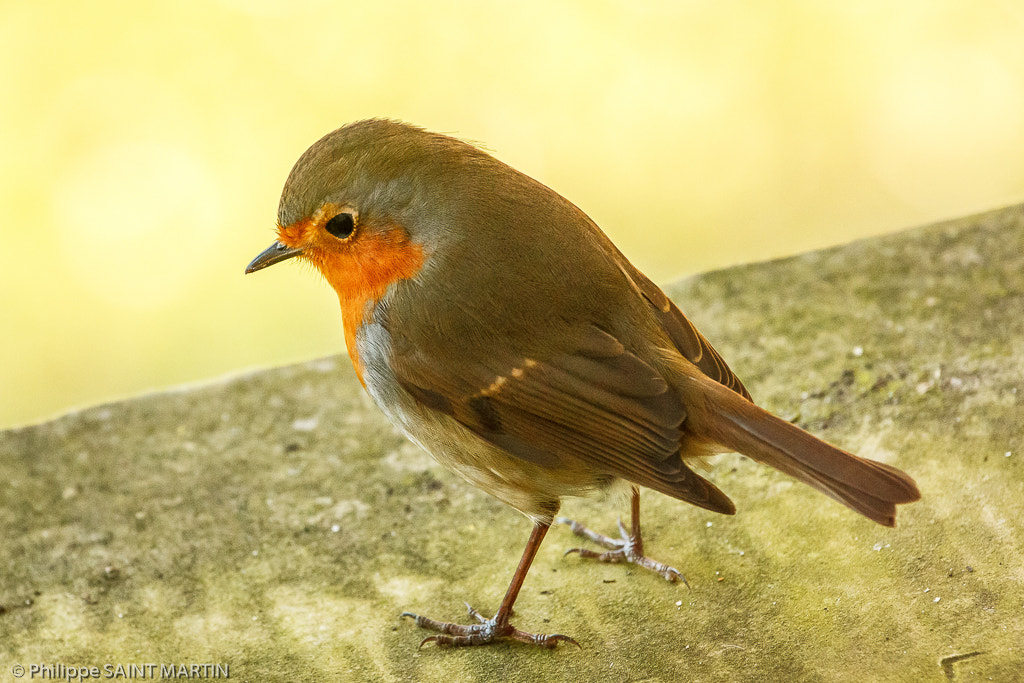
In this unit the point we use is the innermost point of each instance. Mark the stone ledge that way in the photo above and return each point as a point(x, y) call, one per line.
point(277, 524)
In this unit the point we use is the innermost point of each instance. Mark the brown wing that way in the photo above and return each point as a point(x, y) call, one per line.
point(597, 404)
point(690, 342)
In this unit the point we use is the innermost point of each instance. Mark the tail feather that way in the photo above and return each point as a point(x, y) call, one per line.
point(871, 488)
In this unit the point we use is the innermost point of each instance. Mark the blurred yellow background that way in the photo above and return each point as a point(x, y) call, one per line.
point(143, 146)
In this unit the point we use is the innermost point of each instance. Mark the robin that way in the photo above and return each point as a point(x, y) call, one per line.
point(497, 326)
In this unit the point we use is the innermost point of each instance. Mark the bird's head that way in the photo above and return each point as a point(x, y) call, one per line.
point(364, 204)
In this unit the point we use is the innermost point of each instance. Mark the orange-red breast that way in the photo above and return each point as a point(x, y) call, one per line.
point(502, 331)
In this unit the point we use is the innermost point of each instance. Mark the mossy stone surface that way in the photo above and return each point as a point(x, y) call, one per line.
point(277, 524)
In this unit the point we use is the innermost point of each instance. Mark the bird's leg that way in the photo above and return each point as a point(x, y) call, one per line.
point(498, 626)
point(629, 547)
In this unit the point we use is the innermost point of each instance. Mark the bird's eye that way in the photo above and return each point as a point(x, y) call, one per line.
point(342, 225)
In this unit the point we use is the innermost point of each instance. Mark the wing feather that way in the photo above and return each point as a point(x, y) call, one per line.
point(687, 339)
point(596, 402)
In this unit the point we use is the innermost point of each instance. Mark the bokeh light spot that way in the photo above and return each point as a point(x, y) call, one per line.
point(945, 127)
point(133, 219)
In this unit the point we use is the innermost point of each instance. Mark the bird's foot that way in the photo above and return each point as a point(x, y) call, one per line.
point(626, 548)
point(487, 631)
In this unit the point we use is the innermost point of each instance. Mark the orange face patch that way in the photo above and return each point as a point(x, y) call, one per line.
point(359, 268)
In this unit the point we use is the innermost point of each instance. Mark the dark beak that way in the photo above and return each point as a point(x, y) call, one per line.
point(275, 253)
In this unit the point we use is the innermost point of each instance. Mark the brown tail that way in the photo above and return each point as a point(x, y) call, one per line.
point(722, 416)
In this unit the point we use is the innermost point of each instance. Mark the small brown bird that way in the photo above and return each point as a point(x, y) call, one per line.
point(497, 326)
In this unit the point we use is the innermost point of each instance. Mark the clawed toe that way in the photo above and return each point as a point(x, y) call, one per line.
point(627, 548)
point(487, 631)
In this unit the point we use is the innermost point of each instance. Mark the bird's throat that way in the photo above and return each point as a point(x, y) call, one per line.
point(363, 274)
